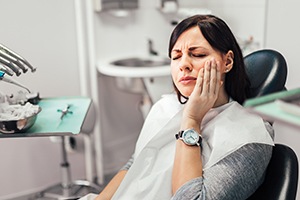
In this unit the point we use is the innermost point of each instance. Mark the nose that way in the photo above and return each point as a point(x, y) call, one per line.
point(185, 64)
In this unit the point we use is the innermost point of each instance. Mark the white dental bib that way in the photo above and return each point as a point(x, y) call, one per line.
point(224, 130)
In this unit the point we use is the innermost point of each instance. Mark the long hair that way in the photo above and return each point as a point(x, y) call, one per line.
point(221, 38)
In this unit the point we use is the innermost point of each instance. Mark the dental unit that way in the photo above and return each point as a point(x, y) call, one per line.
point(11, 64)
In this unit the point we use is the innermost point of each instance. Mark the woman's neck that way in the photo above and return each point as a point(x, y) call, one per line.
point(222, 99)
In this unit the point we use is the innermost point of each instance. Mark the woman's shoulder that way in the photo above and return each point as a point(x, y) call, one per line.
point(172, 97)
point(168, 101)
point(165, 107)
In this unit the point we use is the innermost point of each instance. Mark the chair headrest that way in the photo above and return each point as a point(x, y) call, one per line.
point(267, 71)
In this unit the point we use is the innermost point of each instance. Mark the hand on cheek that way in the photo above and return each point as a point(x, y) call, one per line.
point(205, 93)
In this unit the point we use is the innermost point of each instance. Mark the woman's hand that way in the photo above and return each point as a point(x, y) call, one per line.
point(204, 95)
point(188, 162)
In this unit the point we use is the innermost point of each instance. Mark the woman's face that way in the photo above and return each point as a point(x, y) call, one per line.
point(188, 56)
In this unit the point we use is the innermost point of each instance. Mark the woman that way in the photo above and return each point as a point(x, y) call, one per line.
point(220, 151)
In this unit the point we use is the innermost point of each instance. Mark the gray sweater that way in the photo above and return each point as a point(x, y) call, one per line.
point(236, 176)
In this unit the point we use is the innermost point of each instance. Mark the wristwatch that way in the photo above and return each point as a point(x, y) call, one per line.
point(189, 137)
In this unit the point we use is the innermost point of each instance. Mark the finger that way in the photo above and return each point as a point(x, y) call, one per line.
point(218, 77)
point(213, 77)
point(199, 82)
point(206, 78)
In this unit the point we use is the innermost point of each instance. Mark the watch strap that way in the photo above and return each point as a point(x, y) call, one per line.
point(179, 135)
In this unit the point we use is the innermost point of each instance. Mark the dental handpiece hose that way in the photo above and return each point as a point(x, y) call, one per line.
point(4, 77)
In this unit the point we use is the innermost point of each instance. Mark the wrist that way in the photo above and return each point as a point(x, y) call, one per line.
point(190, 125)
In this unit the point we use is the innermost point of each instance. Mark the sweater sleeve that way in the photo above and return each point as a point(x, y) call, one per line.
point(236, 176)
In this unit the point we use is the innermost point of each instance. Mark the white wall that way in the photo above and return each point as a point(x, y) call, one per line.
point(245, 18)
point(282, 33)
point(43, 32)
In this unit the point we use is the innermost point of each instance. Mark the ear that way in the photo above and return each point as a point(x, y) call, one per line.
point(229, 61)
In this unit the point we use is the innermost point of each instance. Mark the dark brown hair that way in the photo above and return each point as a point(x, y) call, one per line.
point(220, 37)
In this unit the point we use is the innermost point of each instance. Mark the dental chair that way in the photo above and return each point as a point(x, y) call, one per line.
point(267, 71)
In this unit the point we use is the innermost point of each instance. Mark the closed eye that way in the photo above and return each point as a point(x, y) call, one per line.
point(175, 58)
point(197, 55)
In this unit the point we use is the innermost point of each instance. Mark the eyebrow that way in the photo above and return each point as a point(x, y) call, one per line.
point(197, 47)
point(190, 49)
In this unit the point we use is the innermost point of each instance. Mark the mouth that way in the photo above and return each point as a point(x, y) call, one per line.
point(187, 79)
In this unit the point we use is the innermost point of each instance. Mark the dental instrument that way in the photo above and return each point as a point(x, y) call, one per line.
point(4, 77)
point(14, 61)
point(6, 70)
point(32, 97)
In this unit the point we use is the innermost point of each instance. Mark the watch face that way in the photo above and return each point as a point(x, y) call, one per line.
point(190, 137)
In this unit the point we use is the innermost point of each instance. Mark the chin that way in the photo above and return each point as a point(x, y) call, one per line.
point(185, 93)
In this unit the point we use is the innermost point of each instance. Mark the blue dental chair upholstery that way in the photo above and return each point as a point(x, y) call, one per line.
point(267, 71)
